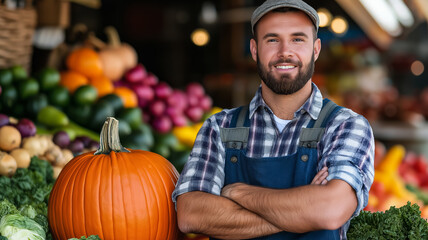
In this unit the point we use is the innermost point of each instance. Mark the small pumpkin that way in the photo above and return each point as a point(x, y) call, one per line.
point(86, 61)
point(129, 98)
point(115, 193)
point(116, 57)
point(72, 80)
point(103, 85)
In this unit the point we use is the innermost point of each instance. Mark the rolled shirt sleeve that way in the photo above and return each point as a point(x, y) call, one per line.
point(348, 152)
point(204, 170)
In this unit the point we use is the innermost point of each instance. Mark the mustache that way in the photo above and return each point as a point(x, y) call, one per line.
point(287, 60)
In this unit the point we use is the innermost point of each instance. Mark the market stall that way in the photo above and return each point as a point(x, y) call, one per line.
point(63, 75)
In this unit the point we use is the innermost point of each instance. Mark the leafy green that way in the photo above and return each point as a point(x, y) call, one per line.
point(27, 194)
point(6, 208)
point(16, 227)
point(29, 186)
point(396, 223)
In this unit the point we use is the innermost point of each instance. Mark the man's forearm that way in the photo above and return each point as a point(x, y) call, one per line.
point(301, 209)
point(219, 217)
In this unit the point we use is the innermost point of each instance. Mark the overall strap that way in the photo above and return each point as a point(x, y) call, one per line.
point(309, 137)
point(236, 136)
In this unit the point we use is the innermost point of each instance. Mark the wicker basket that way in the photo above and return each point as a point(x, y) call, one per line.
point(16, 36)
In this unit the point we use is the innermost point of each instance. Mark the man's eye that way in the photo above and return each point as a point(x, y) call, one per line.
point(299, 40)
point(272, 40)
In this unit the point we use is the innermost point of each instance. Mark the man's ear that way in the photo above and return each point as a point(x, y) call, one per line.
point(253, 49)
point(317, 48)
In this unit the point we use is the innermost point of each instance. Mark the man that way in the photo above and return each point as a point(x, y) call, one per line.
point(249, 174)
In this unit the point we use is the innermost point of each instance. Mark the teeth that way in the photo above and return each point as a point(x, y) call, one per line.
point(285, 67)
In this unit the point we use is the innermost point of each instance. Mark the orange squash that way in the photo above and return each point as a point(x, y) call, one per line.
point(115, 193)
point(72, 80)
point(86, 61)
point(103, 85)
point(129, 98)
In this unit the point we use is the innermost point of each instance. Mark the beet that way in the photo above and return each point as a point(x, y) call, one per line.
point(85, 140)
point(76, 146)
point(61, 139)
point(26, 127)
point(4, 120)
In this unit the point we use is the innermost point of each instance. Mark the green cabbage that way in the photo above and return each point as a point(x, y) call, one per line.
point(18, 227)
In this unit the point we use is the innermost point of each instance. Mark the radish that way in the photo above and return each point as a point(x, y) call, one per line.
point(192, 100)
point(179, 120)
point(144, 92)
point(177, 99)
point(195, 88)
point(162, 124)
point(172, 111)
point(194, 113)
point(136, 74)
point(150, 79)
point(157, 107)
point(206, 103)
point(162, 90)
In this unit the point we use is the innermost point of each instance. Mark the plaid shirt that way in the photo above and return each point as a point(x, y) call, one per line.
point(347, 147)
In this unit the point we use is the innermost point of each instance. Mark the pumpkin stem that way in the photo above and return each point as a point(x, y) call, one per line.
point(109, 138)
point(113, 36)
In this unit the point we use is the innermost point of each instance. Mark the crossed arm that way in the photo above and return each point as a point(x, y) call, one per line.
point(244, 211)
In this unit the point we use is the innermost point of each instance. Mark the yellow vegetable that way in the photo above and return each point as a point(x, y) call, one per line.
point(392, 159)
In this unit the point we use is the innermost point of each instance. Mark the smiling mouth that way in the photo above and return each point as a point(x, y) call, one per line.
point(285, 67)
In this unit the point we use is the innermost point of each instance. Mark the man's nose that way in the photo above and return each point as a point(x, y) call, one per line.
point(285, 51)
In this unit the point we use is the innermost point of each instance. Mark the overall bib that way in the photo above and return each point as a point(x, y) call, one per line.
point(277, 172)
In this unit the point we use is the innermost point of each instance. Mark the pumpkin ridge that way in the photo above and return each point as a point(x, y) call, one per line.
point(133, 200)
point(88, 175)
point(157, 193)
point(166, 192)
point(99, 204)
point(143, 179)
point(79, 166)
point(119, 161)
point(68, 190)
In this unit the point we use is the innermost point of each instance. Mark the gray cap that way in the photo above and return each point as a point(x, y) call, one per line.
point(270, 5)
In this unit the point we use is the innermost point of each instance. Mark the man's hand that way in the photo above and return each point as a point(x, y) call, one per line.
point(319, 179)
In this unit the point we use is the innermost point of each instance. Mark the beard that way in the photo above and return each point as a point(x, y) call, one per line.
point(286, 85)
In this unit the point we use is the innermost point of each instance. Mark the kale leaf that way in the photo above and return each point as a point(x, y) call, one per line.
point(396, 223)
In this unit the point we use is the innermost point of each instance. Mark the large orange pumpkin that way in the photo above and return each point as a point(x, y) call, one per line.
point(115, 193)
point(86, 61)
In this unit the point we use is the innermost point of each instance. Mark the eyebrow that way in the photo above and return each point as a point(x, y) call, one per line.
point(296, 34)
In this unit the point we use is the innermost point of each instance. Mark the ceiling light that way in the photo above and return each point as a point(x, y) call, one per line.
point(384, 15)
point(339, 25)
point(324, 16)
point(402, 12)
point(200, 37)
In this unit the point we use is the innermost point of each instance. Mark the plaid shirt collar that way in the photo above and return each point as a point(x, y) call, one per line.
point(312, 105)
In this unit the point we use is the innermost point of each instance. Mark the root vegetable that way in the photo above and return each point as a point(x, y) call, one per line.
point(67, 155)
point(44, 143)
point(56, 171)
point(22, 157)
point(10, 138)
point(54, 155)
point(33, 146)
point(8, 164)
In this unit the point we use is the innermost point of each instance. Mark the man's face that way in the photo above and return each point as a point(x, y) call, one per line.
point(285, 51)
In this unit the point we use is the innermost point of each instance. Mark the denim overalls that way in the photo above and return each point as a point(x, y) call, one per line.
point(277, 172)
